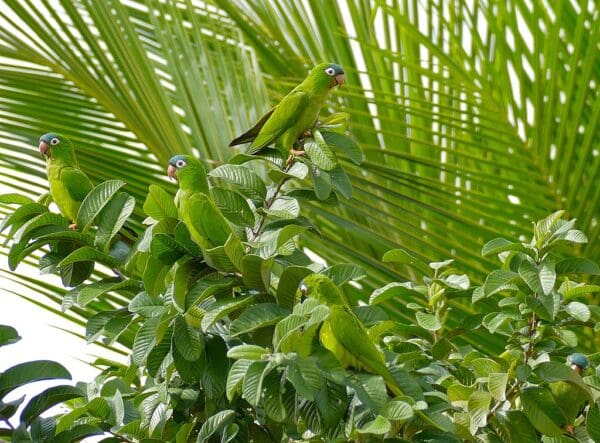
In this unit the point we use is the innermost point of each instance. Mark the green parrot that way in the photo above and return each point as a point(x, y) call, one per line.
point(68, 184)
point(208, 227)
point(569, 398)
point(343, 333)
point(296, 113)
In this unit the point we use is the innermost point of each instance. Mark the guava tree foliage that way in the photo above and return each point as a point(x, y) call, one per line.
point(225, 347)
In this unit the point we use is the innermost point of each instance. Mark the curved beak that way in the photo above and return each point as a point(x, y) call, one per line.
point(171, 170)
point(44, 148)
point(340, 79)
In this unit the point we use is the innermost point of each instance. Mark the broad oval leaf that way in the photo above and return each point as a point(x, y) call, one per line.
point(257, 316)
point(379, 426)
point(215, 424)
point(29, 372)
point(542, 411)
point(242, 179)
point(48, 398)
point(188, 340)
point(344, 144)
point(95, 201)
point(159, 204)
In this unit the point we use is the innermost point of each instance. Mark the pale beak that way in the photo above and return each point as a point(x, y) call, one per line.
point(171, 170)
point(340, 79)
point(44, 147)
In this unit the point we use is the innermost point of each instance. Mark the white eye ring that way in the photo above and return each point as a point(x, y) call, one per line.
point(54, 141)
point(330, 71)
point(180, 163)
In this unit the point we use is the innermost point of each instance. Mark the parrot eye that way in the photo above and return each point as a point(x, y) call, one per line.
point(54, 141)
point(180, 163)
point(330, 71)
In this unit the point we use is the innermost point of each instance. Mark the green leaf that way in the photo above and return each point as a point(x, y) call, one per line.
point(321, 181)
point(345, 145)
point(235, 376)
point(577, 265)
point(112, 218)
point(257, 316)
point(8, 335)
point(394, 290)
point(578, 311)
point(145, 340)
point(530, 275)
point(379, 426)
point(252, 386)
point(552, 371)
point(166, 249)
point(48, 398)
point(159, 204)
point(88, 254)
point(306, 377)
point(592, 423)
point(497, 382)
point(147, 306)
point(95, 201)
point(93, 291)
point(215, 424)
point(479, 407)
point(345, 272)
point(289, 281)
point(498, 245)
point(397, 410)
point(519, 427)
point(402, 257)
point(284, 207)
point(14, 198)
point(22, 214)
point(542, 411)
point(428, 321)
point(233, 206)
point(499, 280)
point(320, 153)
point(29, 372)
point(248, 352)
point(242, 179)
point(222, 307)
point(580, 290)
point(188, 340)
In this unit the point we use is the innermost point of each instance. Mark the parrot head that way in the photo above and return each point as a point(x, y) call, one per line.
point(322, 288)
point(52, 144)
point(327, 75)
point(189, 172)
point(179, 165)
point(578, 362)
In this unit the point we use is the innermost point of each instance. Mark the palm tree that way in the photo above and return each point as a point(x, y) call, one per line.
point(475, 118)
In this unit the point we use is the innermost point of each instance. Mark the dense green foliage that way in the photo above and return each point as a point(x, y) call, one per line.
point(225, 346)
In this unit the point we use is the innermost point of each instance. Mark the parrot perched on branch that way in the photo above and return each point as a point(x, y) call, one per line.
point(208, 227)
point(296, 113)
point(68, 184)
point(343, 333)
point(569, 398)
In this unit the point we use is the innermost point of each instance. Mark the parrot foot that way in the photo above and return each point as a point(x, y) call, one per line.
point(73, 226)
point(570, 429)
point(293, 154)
point(307, 134)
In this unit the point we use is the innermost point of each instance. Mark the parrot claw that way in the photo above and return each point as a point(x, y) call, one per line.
point(306, 134)
point(73, 226)
point(293, 154)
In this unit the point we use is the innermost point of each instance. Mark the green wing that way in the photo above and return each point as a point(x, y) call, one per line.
point(207, 224)
point(251, 133)
point(284, 115)
point(76, 183)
